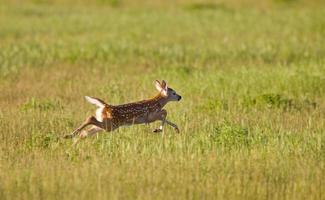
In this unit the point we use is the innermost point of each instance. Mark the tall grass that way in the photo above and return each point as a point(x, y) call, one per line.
point(252, 78)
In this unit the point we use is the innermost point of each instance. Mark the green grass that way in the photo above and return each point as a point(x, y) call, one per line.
point(252, 78)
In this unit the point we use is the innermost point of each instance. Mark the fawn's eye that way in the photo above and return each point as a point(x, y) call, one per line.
point(174, 93)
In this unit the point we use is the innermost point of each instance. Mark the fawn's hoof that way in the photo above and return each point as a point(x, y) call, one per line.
point(157, 130)
point(68, 136)
point(177, 130)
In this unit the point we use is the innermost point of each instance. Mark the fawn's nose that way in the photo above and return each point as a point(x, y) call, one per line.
point(179, 98)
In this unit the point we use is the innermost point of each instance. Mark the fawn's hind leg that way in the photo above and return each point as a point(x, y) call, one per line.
point(92, 131)
point(90, 120)
point(85, 133)
point(106, 125)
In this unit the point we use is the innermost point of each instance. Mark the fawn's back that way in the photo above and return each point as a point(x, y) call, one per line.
point(133, 113)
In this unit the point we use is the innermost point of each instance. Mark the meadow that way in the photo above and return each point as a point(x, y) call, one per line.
point(252, 118)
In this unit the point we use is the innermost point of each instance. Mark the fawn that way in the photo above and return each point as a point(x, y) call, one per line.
point(109, 117)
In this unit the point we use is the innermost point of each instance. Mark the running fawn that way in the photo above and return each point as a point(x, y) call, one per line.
point(109, 117)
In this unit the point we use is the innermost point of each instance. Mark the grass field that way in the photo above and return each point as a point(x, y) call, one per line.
point(252, 118)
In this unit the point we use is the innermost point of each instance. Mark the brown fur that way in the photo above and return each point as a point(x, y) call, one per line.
point(145, 111)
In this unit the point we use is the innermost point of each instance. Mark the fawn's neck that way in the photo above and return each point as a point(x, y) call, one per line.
point(159, 100)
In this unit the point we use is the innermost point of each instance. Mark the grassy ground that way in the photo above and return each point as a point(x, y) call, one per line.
point(252, 77)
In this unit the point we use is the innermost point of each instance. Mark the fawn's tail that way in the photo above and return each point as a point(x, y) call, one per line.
point(98, 102)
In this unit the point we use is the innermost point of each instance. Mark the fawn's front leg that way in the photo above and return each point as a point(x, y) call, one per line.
point(173, 125)
point(161, 115)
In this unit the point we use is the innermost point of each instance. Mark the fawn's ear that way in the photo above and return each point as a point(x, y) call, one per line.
point(164, 85)
point(158, 85)
point(164, 88)
point(161, 87)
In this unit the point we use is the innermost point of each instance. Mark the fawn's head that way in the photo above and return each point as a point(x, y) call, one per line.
point(166, 91)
